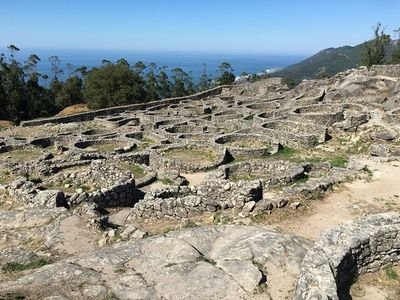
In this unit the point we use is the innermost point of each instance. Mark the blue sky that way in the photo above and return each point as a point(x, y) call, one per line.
point(252, 26)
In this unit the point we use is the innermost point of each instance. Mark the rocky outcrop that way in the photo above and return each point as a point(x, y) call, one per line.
point(226, 262)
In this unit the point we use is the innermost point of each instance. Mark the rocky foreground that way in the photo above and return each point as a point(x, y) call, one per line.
point(185, 198)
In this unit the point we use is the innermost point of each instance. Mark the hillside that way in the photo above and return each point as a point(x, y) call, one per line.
point(326, 62)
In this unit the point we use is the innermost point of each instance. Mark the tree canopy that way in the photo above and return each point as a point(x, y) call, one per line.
point(27, 94)
point(374, 53)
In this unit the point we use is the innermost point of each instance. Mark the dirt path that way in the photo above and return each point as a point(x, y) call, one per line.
point(77, 237)
point(352, 200)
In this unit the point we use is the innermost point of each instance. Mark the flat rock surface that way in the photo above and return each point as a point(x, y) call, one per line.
point(223, 262)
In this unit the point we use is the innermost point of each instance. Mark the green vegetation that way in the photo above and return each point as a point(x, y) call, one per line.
point(391, 273)
point(226, 74)
point(249, 177)
point(18, 267)
point(167, 181)
point(375, 50)
point(284, 153)
point(5, 177)
point(331, 61)
point(339, 161)
point(113, 85)
point(191, 154)
point(136, 170)
point(396, 54)
point(21, 155)
point(106, 147)
point(300, 180)
point(27, 94)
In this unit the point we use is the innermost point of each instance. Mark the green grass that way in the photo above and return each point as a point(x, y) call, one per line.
point(299, 181)
point(18, 267)
point(107, 147)
point(85, 188)
point(5, 177)
point(236, 178)
point(136, 170)
point(167, 181)
point(339, 161)
point(145, 142)
point(391, 274)
point(21, 155)
point(191, 154)
point(285, 153)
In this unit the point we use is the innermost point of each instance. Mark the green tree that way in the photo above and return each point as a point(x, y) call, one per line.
point(226, 74)
point(164, 85)
point(396, 54)
point(374, 52)
point(151, 83)
point(81, 70)
point(70, 93)
point(55, 66)
point(204, 80)
point(139, 68)
point(179, 78)
point(111, 85)
point(31, 66)
point(13, 86)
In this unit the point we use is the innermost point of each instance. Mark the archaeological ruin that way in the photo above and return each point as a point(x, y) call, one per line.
point(196, 197)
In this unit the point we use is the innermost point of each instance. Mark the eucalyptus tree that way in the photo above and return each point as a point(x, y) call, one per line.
point(375, 50)
point(226, 74)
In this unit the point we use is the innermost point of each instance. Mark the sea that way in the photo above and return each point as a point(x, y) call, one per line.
point(190, 62)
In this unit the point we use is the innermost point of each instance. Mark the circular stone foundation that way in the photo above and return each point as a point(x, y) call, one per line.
point(271, 173)
point(104, 146)
point(248, 145)
point(325, 115)
point(188, 158)
point(20, 153)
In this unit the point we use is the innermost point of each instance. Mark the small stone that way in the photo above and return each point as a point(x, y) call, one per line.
point(128, 231)
point(211, 208)
point(102, 242)
point(282, 203)
point(138, 234)
point(227, 186)
point(248, 207)
point(111, 233)
point(295, 205)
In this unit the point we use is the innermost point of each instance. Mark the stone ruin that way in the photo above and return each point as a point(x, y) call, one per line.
point(244, 142)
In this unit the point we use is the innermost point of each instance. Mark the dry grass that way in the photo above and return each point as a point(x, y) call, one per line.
point(254, 144)
point(4, 124)
point(194, 155)
point(73, 109)
point(385, 283)
point(21, 155)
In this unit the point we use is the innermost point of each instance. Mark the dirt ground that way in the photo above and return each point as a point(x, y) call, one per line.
point(383, 285)
point(381, 193)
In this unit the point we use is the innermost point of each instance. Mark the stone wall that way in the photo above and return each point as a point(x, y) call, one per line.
point(386, 70)
point(88, 116)
point(160, 159)
point(213, 195)
point(346, 251)
point(271, 173)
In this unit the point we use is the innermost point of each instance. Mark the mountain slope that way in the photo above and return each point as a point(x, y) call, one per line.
point(327, 62)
